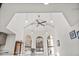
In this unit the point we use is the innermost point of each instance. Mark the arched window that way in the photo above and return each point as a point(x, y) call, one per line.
point(39, 43)
point(28, 43)
point(50, 45)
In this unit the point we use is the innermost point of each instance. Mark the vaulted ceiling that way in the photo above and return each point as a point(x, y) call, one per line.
point(70, 11)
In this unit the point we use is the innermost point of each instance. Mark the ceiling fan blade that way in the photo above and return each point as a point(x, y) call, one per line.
point(37, 21)
point(40, 23)
point(30, 24)
point(44, 22)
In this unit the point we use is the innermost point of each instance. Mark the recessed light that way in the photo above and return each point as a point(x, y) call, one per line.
point(26, 21)
point(51, 21)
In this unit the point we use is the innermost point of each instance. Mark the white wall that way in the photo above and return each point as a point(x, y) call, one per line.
point(10, 43)
point(16, 25)
point(67, 47)
point(74, 43)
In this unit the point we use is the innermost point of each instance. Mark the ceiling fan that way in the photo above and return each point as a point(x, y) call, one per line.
point(42, 23)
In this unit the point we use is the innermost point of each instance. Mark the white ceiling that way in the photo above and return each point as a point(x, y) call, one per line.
point(35, 27)
point(70, 11)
